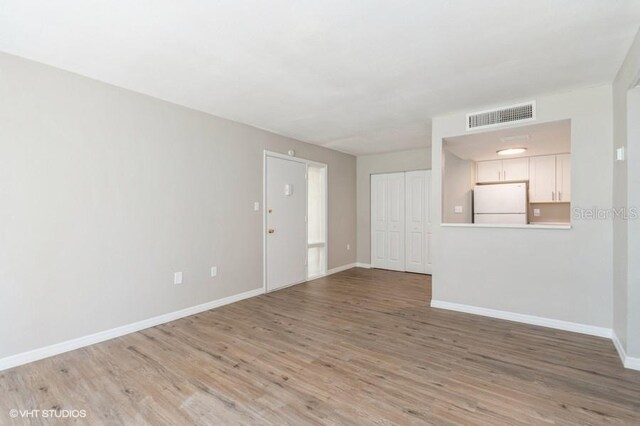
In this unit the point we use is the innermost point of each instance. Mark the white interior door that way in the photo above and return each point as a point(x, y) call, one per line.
point(428, 228)
point(286, 228)
point(388, 221)
point(379, 241)
point(396, 224)
point(416, 221)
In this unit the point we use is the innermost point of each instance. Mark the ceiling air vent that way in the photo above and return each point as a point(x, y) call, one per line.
point(502, 115)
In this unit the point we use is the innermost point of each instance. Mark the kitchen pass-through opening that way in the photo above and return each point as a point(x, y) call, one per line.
point(517, 176)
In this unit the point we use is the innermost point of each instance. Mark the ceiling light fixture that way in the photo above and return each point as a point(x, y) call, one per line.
point(511, 151)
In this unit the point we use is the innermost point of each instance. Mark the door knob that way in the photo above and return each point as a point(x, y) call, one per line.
point(271, 231)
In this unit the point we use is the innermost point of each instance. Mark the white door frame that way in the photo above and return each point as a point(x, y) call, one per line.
point(306, 162)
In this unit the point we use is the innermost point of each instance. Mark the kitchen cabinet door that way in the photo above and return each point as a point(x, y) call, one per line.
point(563, 177)
point(489, 171)
point(542, 179)
point(515, 169)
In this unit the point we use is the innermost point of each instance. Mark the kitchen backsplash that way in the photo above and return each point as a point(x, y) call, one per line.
point(550, 213)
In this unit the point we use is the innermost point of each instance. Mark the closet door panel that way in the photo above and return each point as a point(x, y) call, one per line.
point(396, 222)
point(379, 219)
point(416, 243)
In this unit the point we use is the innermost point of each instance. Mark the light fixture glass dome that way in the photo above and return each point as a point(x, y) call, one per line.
point(511, 151)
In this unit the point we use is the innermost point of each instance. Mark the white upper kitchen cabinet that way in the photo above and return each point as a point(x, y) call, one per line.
point(542, 185)
point(550, 178)
point(489, 171)
point(515, 169)
point(563, 177)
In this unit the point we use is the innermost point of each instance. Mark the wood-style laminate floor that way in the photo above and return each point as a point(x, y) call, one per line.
point(359, 347)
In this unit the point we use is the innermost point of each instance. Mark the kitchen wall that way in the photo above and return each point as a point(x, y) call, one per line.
point(106, 193)
point(459, 177)
point(400, 161)
point(556, 274)
point(550, 212)
point(626, 193)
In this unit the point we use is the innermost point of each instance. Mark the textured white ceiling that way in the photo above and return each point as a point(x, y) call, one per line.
point(360, 76)
point(539, 139)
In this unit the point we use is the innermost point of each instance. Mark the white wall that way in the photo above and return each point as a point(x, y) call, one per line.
point(400, 161)
point(557, 274)
point(457, 186)
point(106, 193)
point(626, 192)
point(633, 238)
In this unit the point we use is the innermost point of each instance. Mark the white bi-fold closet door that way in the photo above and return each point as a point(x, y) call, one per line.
point(387, 221)
point(401, 221)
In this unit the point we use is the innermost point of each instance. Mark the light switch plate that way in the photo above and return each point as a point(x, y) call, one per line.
point(214, 271)
point(620, 154)
point(256, 206)
point(177, 278)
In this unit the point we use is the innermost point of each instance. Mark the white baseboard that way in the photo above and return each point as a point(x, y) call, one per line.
point(628, 362)
point(347, 266)
point(70, 345)
point(632, 363)
point(59, 348)
point(340, 268)
point(526, 319)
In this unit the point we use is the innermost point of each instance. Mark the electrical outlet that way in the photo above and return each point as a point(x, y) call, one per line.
point(214, 271)
point(457, 209)
point(256, 206)
point(536, 212)
point(177, 278)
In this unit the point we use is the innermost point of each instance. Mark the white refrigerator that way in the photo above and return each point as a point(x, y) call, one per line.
point(502, 203)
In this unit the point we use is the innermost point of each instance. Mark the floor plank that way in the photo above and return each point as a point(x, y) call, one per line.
point(358, 347)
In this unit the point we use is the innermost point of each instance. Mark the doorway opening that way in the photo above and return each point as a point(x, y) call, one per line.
point(513, 177)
